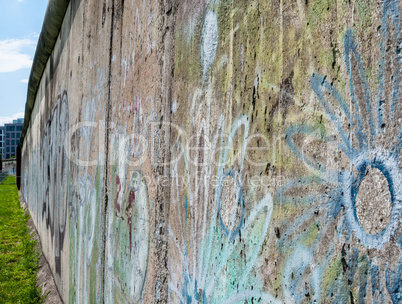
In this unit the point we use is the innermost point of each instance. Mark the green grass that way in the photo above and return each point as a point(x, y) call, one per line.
point(18, 258)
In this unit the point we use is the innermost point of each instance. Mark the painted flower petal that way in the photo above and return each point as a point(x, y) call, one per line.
point(310, 131)
point(390, 56)
point(394, 282)
point(325, 93)
point(358, 87)
point(237, 257)
point(298, 262)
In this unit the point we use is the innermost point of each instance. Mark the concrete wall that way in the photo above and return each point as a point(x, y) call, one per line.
point(220, 152)
point(10, 166)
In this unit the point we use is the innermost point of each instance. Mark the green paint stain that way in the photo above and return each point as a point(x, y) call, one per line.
point(319, 11)
point(311, 236)
point(331, 274)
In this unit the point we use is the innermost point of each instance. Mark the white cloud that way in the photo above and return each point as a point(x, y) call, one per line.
point(9, 119)
point(13, 54)
point(24, 80)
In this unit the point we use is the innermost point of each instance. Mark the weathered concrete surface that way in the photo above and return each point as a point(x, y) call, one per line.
point(220, 152)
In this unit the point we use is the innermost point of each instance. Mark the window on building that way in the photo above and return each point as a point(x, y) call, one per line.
point(1, 137)
point(8, 135)
point(8, 149)
point(7, 142)
point(8, 156)
point(13, 142)
point(12, 135)
point(19, 128)
point(12, 149)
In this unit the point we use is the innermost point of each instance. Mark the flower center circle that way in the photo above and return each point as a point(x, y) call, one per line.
point(373, 198)
point(373, 202)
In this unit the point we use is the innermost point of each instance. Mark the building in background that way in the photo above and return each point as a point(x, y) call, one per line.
point(11, 138)
point(1, 141)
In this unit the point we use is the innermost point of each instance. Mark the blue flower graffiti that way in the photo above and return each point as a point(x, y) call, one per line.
point(369, 135)
point(216, 238)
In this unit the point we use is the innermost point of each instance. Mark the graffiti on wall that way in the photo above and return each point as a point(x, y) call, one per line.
point(85, 240)
point(127, 227)
point(368, 140)
point(365, 168)
point(54, 174)
point(216, 235)
point(217, 246)
point(323, 232)
point(86, 224)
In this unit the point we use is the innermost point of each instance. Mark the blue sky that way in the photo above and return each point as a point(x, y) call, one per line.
point(20, 25)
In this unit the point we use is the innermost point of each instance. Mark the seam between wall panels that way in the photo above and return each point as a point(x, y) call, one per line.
point(107, 130)
point(163, 195)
